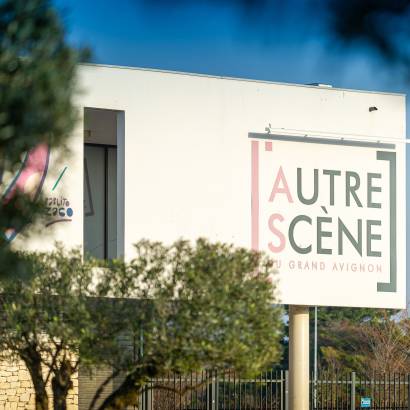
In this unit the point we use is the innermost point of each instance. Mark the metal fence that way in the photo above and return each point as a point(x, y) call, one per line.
point(269, 391)
point(351, 391)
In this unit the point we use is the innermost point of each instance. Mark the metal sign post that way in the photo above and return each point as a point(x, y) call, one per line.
point(298, 357)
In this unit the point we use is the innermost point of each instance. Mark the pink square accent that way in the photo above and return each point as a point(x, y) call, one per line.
point(268, 146)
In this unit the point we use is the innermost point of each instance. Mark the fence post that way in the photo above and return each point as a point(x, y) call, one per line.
point(141, 399)
point(408, 391)
point(208, 375)
point(149, 396)
point(286, 389)
point(214, 391)
point(353, 391)
point(282, 378)
point(208, 391)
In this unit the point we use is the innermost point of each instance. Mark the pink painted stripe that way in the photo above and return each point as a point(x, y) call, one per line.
point(36, 162)
point(255, 194)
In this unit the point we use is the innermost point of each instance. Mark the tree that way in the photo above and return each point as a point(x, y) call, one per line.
point(184, 307)
point(37, 80)
point(337, 326)
point(378, 344)
point(50, 316)
point(388, 344)
point(206, 306)
point(380, 24)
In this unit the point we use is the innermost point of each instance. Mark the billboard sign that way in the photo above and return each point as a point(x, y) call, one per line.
point(327, 211)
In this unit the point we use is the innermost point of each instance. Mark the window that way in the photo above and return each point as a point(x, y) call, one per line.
point(100, 183)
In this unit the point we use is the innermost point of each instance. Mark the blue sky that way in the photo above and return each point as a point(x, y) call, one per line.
point(292, 44)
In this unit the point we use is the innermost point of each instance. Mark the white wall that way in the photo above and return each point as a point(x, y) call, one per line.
point(63, 190)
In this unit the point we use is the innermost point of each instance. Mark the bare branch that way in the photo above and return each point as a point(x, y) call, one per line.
point(100, 390)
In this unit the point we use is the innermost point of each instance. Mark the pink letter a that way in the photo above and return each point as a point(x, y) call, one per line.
point(283, 189)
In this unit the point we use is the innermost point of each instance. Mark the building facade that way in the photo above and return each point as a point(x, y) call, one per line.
point(163, 155)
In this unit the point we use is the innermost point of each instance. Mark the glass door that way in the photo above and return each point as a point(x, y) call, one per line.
point(100, 201)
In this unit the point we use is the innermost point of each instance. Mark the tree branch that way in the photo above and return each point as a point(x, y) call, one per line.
point(101, 388)
point(182, 392)
point(53, 363)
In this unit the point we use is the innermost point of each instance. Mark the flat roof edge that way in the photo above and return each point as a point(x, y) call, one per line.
point(157, 70)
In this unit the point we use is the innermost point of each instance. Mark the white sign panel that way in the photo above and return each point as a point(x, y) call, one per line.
point(327, 212)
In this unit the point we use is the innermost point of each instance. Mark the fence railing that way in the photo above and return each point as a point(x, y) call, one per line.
point(351, 391)
point(269, 391)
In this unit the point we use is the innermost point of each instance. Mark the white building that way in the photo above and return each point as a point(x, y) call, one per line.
point(313, 175)
point(163, 155)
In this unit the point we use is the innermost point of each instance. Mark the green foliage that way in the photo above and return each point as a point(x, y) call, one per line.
point(54, 314)
point(337, 332)
point(350, 339)
point(380, 24)
point(328, 315)
point(37, 79)
point(183, 307)
point(39, 326)
point(206, 306)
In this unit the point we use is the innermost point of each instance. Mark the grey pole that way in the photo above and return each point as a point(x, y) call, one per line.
point(353, 392)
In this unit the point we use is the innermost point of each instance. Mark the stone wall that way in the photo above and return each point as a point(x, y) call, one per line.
point(16, 389)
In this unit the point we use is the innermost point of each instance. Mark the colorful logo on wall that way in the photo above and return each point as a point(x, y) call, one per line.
point(30, 180)
point(59, 209)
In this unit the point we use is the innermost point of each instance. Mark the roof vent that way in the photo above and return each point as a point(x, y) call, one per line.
point(321, 85)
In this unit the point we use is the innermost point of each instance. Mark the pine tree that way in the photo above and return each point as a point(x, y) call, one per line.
point(37, 82)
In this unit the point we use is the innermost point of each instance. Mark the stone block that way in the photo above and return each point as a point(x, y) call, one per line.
point(23, 375)
point(25, 397)
point(13, 368)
